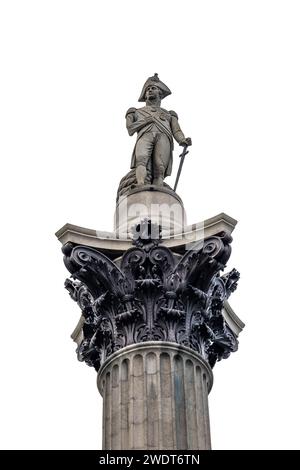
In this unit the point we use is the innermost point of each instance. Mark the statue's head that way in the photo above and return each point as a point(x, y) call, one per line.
point(153, 93)
point(154, 88)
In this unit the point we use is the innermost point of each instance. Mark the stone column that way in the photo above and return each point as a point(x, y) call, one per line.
point(155, 396)
point(153, 326)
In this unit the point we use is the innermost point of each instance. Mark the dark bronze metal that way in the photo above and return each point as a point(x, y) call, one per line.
point(153, 294)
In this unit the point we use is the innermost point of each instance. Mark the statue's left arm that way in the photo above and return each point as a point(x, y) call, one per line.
point(177, 132)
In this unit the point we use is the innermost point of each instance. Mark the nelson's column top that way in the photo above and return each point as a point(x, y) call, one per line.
point(114, 272)
point(143, 192)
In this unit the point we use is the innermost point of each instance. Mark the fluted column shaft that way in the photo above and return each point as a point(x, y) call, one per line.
point(155, 396)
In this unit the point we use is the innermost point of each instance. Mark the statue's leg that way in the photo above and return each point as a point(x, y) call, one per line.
point(161, 156)
point(143, 151)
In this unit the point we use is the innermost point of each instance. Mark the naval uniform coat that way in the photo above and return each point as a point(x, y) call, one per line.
point(163, 121)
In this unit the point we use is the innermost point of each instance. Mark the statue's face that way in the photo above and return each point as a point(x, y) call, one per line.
point(152, 93)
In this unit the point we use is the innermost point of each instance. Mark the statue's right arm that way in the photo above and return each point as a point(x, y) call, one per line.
point(130, 118)
point(131, 123)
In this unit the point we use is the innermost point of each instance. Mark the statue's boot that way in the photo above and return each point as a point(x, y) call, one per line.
point(159, 173)
point(141, 173)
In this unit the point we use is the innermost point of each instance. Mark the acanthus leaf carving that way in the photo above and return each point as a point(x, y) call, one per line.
point(153, 297)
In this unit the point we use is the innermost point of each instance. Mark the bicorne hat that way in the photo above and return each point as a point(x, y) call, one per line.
point(155, 81)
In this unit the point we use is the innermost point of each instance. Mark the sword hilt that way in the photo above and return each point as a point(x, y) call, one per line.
point(184, 151)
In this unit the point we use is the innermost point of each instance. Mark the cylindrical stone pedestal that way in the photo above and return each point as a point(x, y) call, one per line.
point(162, 205)
point(155, 396)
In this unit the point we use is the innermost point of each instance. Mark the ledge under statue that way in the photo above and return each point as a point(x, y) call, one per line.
point(153, 297)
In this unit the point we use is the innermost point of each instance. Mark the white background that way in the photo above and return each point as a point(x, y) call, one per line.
point(69, 71)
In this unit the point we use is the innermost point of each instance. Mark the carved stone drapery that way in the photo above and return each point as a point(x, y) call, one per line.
point(153, 295)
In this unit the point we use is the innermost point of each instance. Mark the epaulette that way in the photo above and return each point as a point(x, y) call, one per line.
point(173, 114)
point(129, 111)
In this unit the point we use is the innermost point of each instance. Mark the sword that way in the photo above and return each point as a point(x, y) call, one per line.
point(182, 157)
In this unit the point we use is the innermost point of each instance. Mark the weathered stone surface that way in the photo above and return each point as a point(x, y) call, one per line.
point(113, 247)
point(155, 396)
point(161, 205)
point(155, 128)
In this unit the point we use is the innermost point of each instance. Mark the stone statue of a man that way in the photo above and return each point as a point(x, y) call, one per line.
point(156, 127)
